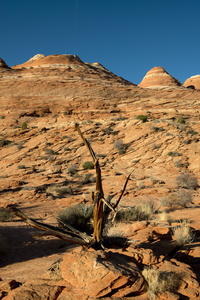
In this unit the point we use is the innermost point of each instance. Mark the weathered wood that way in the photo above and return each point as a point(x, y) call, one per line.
point(102, 209)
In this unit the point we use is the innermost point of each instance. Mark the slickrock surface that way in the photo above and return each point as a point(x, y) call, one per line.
point(193, 82)
point(158, 77)
point(153, 133)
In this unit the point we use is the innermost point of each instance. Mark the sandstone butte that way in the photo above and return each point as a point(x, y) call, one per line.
point(193, 82)
point(41, 100)
point(158, 77)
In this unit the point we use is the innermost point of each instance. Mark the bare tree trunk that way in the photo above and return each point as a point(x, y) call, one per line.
point(102, 209)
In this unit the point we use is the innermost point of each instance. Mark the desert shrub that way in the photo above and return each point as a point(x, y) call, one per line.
point(191, 132)
point(181, 120)
point(183, 233)
point(5, 216)
point(72, 169)
point(78, 216)
point(187, 181)
point(155, 146)
point(62, 190)
point(164, 217)
point(88, 165)
point(24, 126)
point(181, 198)
point(20, 145)
point(143, 118)
point(21, 167)
point(50, 151)
point(88, 178)
point(160, 281)
point(174, 153)
point(110, 131)
point(4, 142)
point(135, 213)
point(118, 144)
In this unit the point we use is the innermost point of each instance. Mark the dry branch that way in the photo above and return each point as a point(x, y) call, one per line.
point(102, 209)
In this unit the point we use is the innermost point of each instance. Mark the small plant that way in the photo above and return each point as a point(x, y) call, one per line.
point(174, 153)
point(5, 216)
point(88, 178)
point(187, 181)
point(143, 118)
point(50, 151)
point(118, 144)
point(180, 198)
point(72, 170)
point(4, 142)
point(21, 167)
point(88, 165)
point(183, 234)
point(191, 132)
point(140, 212)
point(62, 190)
point(24, 126)
point(78, 216)
point(109, 131)
point(160, 281)
point(181, 120)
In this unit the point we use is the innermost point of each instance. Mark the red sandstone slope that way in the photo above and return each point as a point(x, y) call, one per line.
point(35, 163)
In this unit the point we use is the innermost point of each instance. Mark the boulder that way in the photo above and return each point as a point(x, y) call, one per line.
point(101, 274)
point(193, 82)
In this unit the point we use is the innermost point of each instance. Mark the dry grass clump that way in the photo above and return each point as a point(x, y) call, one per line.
point(187, 181)
point(118, 144)
point(160, 281)
point(5, 216)
point(164, 217)
point(181, 198)
point(183, 233)
point(72, 170)
point(59, 190)
point(78, 216)
point(88, 178)
point(141, 212)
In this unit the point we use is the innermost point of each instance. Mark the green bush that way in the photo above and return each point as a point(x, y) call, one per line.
point(88, 165)
point(24, 126)
point(143, 118)
point(181, 120)
point(78, 216)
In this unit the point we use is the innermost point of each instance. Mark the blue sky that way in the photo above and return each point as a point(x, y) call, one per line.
point(128, 37)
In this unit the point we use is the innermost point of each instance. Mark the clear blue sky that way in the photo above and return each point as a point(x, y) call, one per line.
point(128, 37)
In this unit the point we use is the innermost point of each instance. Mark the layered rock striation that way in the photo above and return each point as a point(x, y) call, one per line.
point(158, 77)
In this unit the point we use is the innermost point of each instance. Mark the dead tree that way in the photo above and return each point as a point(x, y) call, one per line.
point(102, 209)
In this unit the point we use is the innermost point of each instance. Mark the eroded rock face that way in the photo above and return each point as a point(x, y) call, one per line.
point(3, 64)
point(193, 81)
point(158, 77)
point(102, 275)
